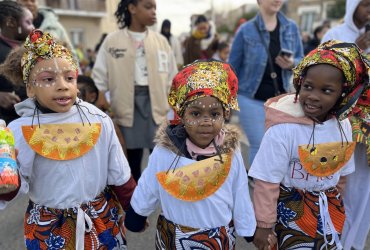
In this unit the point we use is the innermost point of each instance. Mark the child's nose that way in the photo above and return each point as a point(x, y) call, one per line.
point(62, 83)
point(314, 96)
point(206, 120)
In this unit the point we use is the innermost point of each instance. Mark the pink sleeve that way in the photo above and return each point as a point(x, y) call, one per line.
point(265, 196)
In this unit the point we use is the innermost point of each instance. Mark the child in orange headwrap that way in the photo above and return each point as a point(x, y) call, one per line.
point(196, 172)
point(307, 150)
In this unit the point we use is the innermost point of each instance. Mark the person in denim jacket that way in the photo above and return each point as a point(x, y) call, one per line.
point(249, 58)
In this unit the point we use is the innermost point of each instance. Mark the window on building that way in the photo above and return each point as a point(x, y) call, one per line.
point(73, 4)
point(77, 37)
point(307, 20)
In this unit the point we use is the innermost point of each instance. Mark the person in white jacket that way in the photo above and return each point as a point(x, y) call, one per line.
point(357, 193)
point(136, 65)
point(353, 28)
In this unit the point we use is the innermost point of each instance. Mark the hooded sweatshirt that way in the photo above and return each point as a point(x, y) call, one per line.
point(355, 231)
point(347, 31)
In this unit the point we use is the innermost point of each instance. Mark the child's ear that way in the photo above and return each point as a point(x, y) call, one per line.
point(131, 8)
point(30, 91)
point(11, 22)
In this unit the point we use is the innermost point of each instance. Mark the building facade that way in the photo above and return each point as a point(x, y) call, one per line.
point(308, 14)
point(84, 20)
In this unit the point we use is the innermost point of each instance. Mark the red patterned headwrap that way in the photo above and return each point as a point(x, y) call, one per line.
point(204, 78)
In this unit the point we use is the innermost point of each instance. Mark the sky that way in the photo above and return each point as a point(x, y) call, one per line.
point(179, 11)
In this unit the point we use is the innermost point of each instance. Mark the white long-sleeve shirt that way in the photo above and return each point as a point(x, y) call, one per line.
point(65, 184)
point(230, 202)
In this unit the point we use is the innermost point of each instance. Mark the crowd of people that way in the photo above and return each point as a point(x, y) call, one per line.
point(82, 119)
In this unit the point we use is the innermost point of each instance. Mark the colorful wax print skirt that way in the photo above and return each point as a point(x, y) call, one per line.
point(101, 220)
point(303, 216)
point(172, 236)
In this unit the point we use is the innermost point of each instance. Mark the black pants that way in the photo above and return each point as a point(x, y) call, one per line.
point(134, 158)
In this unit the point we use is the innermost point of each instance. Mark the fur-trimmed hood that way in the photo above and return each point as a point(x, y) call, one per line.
point(230, 144)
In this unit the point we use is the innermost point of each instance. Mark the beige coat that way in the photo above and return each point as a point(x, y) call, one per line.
point(114, 71)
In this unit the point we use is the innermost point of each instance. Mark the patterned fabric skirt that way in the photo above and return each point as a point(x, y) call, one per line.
point(102, 225)
point(300, 224)
point(172, 236)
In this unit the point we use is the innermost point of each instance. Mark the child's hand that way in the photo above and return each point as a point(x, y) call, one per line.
point(8, 99)
point(363, 41)
point(285, 62)
point(261, 238)
point(272, 240)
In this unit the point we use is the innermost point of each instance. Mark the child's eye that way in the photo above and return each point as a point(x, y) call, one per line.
point(48, 79)
point(216, 114)
point(306, 86)
point(328, 91)
point(195, 113)
point(70, 78)
point(149, 6)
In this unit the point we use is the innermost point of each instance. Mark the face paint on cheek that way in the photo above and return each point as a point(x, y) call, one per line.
point(190, 123)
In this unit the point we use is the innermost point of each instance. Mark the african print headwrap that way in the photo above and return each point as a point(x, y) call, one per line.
point(355, 101)
point(204, 78)
point(42, 46)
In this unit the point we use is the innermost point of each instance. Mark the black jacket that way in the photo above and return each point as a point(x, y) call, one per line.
point(6, 86)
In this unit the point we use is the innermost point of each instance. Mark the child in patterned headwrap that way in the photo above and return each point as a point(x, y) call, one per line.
point(196, 172)
point(70, 159)
point(307, 150)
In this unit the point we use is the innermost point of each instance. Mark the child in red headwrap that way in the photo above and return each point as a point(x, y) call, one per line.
point(307, 151)
point(196, 172)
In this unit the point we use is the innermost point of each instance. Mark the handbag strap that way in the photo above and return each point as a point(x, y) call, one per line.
point(273, 74)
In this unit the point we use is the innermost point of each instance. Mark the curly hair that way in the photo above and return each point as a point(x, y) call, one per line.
point(122, 13)
point(10, 9)
point(11, 68)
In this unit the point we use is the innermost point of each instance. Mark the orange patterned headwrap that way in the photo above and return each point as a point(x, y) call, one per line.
point(204, 78)
point(42, 46)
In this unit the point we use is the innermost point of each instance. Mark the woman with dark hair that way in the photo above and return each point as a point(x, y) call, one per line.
point(173, 41)
point(136, 65)
point(15, 25)
point(203, 41)
point(318, 34)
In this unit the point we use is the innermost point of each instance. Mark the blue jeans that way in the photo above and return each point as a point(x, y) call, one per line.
point(252, 121)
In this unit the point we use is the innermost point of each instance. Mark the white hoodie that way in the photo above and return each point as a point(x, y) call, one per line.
point(347, 31)
point(356, 227)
